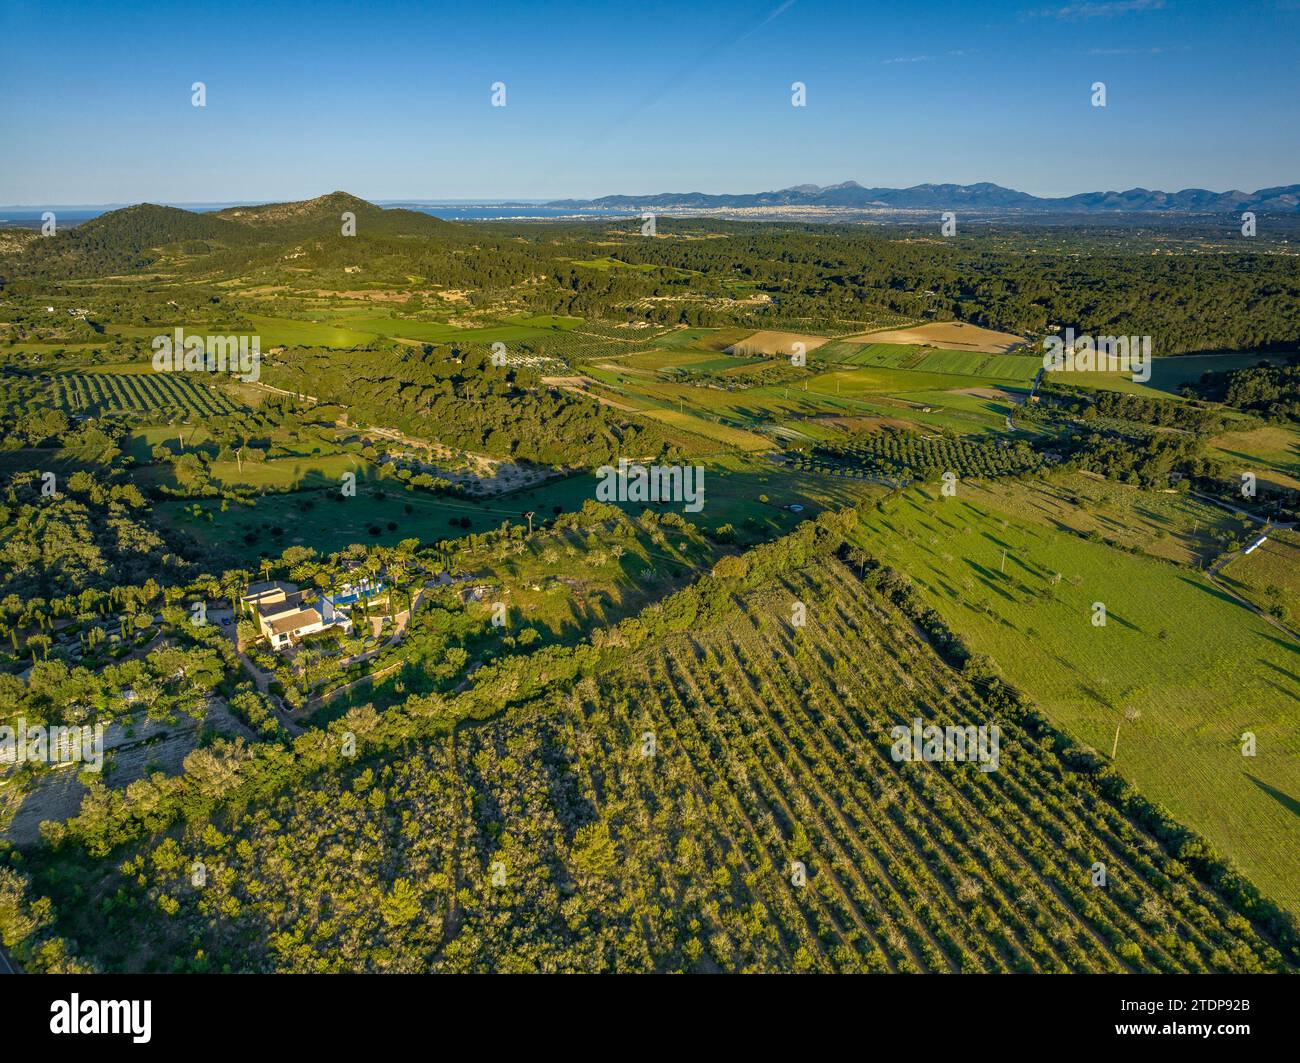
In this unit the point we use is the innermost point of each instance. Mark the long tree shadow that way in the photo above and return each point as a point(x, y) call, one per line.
point(1293, 647)
point(1212, 591)
point(1000, 542)
point(1284, 799)
point(1278, 668)
point(987, 577)
point(1112, 615)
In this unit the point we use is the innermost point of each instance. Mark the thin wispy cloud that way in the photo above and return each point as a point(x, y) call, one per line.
point(928, 58)
point(1108, 9)
point(1126, 51)
point(777, 13)
point(688, 68)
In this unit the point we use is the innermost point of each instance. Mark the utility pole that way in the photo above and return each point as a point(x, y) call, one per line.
point(1004, 563)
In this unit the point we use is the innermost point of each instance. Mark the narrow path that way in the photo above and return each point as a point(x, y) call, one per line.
point(1243, 512)
point(325, 699)
point(263, 683)
point(1211, 574)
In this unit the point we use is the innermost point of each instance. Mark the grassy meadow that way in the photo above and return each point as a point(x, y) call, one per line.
point(1191, 666)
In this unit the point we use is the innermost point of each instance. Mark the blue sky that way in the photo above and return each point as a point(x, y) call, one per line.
point(392, 100)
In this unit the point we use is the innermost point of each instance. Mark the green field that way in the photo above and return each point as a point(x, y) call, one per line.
point(546, 321)
point(441, 332)
point(1272, 452)
point(733, 488)
point(707, 339)
point(1199, 668)
point(1176, 526)
point(288, 332)
point(727, 436)
point(277, 474)
point(1168, 374)
point(315, 518)
point(1270, 574)
point(855, 352)
point(699, 361)
point(1011, 368)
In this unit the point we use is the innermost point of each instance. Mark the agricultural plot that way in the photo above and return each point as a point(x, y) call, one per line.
point(773, 343)
point(145, 393)
point(708, 339)
point(546, 321)
point(1122, 382)
point(1181, 668)
point(1009, 368)
point(954, 335)
point(1272, 453)
point(991, 406)
point(441, 332)
point(1001, 367)
point(237, 534)
point(935, 411)
point(290, 332)
point(1270, 574)
point(882, 380)
point(1168, 375)
point(1172, 525)
point(859, 390)
point(852, 352)
point(738, 438)
point(694, 360)
point(903, 456)
point(604, 263)
point(726, 801)
point(278, 474)
point(382, 513)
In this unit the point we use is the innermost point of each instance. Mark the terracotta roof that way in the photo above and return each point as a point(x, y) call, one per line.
point(294, 621)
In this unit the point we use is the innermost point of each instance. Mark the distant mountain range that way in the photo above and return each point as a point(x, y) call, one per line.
point(982, 196)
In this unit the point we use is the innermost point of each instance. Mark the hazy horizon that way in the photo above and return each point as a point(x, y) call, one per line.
point(387, 201)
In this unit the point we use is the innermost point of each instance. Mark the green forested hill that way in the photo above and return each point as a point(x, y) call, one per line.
point(1187, 297)
point(133, 238)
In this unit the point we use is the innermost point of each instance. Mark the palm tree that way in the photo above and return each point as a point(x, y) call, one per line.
point(232, 585)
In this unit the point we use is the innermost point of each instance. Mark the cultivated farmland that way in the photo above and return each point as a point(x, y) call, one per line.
point(1181, 693)
point(736, 788)
point(146, 393)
